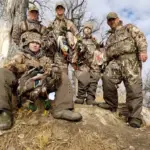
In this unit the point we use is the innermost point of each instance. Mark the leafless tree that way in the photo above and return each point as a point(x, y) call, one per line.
point(13, 12)
point(76, 11)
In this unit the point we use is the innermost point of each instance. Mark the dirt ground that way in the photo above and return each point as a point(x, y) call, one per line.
point(99, 130)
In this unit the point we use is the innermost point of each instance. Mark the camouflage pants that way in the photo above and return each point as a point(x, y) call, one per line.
point(87, 84)
point(63, 94)
point(6, 81)
point(126, 68)
point(65, 91)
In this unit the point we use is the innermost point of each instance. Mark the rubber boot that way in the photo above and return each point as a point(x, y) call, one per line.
point(106, 106)
point(6, 119)
point(67, 115)
point(92, 102)
point(135, 122)
point(79, 101)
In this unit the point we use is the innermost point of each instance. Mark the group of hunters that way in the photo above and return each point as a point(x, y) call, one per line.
point(40, 67)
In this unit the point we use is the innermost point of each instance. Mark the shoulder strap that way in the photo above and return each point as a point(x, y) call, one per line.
point(26, 25)
point(40, 28)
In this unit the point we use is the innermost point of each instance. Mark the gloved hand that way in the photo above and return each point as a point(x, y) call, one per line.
point(64, 28)
point(56, 72)
point(79, 39)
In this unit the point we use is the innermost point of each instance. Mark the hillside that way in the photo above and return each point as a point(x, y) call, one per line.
point(99, 130)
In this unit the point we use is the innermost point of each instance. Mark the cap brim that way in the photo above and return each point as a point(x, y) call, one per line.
point(111, 18)
point(35, 42)
point(60, 6)
point(34, 10)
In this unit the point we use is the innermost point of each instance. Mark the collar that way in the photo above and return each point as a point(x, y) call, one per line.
point(60, 17)
point(88, 37)
point(113, 30)
point(33, 21)
point(32, 54)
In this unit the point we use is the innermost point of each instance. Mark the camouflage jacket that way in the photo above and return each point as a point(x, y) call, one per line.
point(125, 40)
point(24, 61)
point(61, 26)
point(34, 71)
point(86, 57)
point(22, 30)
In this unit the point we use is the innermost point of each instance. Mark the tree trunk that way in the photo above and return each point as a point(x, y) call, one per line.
point(14, 12)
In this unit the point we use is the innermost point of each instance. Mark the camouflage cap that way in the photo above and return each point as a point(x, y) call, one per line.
point(88, 25)
point(60, 4)
point(33, 8)
point(112, 15)
point(34, 37)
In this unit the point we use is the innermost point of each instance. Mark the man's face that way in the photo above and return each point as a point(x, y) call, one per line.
point(87, 31)
point(113, 22)
point(34, 47)
point(60, 11)
point(33, 15)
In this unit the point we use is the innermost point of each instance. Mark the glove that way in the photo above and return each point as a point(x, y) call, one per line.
point(79, 39)
point(56, 73)
point(64, 28)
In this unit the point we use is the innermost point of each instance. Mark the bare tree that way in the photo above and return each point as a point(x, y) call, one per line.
point(13, 12)
point(76, 11)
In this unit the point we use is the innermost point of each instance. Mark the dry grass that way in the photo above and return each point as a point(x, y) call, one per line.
point(99, 130)
point(45, 133)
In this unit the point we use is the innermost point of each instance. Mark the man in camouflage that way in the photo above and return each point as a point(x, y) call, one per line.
point(23, 30)
point(126, 49)
point(60, 29)
point(45, 77)
point(63, 30)
point(88, 72)
point(61, 24)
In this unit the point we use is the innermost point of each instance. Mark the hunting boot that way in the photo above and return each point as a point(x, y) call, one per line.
point(6, 119)
point(107, 106)
point(79, 101)
point(92, 102)
point(135, 122)
point(67, 115)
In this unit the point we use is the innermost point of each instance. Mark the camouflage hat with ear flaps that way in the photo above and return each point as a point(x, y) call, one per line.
point(34, 37)
point(88, 25)
point(60, 4)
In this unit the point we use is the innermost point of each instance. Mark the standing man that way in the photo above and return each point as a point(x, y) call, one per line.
point(64, 32)
point(23, 30)
point(126, 49)
point(89, 71)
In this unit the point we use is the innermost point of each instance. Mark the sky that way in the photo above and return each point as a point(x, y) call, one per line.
point(136, 12)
